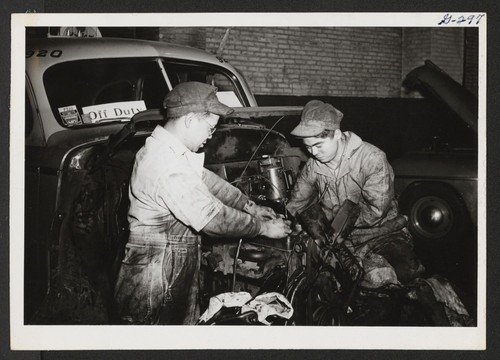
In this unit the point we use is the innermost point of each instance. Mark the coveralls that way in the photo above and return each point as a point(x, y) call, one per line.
point(172, 198)
point(364, 176)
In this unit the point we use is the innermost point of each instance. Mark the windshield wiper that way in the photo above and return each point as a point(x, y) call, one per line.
point(114, 119)
point(109, 120)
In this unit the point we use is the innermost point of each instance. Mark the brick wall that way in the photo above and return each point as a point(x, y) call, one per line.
point(315, 61)
point(194, 37)
point(447, 51)
point(444, 46)
point(319, 61)
point(416, 45)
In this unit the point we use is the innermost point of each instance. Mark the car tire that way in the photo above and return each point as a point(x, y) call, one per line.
point(437, 215)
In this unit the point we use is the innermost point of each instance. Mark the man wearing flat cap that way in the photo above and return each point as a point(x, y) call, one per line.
point(173, 199)
point(344, 167)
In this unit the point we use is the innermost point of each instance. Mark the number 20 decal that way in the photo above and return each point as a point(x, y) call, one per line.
point(43, 53)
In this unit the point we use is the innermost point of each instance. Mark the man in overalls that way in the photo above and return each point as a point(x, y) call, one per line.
point(173, 199)
point(344, 167)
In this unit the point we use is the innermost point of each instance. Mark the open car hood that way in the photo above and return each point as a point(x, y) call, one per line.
point(265, 111)
point(146, 120)
point(430, 79)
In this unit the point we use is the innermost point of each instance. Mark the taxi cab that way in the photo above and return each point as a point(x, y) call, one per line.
point(67, 79)
point(79, 91)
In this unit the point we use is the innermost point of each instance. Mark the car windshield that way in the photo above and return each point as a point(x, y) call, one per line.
point(99, 91)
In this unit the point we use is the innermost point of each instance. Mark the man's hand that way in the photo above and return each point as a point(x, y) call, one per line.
point(276, 228)
point(260, 212)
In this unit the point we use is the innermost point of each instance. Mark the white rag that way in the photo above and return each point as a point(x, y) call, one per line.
point(263, 305)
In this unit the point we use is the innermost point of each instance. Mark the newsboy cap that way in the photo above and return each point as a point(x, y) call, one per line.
point(316, 117)
point(194, 97)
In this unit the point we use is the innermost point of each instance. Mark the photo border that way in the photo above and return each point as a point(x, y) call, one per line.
point(29, 337)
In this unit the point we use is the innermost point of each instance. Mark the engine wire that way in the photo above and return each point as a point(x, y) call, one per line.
point(260, 144)
point(240, 179)
point(235, 263)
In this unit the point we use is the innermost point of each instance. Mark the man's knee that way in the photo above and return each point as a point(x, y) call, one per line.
point(409, 270)
point(404, 261)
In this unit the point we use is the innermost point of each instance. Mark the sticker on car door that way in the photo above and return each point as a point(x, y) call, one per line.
point(70, 115)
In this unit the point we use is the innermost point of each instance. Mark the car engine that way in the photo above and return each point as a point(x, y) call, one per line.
point(254, 265)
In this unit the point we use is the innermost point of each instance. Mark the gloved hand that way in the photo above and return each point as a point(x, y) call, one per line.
point(276, 228)
point(260, 212)
point(314, 222)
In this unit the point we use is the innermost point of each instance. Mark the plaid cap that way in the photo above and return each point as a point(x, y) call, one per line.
point(194, 97)
point(316, 117)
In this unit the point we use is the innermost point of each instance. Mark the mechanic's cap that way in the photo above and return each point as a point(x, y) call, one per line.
point(316, 117)
point(194, 97)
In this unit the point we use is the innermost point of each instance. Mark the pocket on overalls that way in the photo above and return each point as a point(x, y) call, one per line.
point(139, 288)
point(182, 264)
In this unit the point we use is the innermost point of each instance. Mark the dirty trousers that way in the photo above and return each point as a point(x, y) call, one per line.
point(403, 259)
point(158, 280)
point(388, 258)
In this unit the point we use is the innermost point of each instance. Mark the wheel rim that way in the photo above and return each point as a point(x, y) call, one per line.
point(431, 217)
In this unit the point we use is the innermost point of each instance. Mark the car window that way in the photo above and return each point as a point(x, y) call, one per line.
point(97, 91)
point(225, 82)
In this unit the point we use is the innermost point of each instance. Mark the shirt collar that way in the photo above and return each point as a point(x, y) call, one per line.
point(166, 138)
point(352, 143)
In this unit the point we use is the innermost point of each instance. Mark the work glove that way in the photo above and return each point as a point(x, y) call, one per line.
point(314, 222)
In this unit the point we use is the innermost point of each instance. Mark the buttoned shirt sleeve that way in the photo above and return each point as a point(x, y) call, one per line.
point(187, 197)
point(304, 191)
point(191, 202)
point(377, 190)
